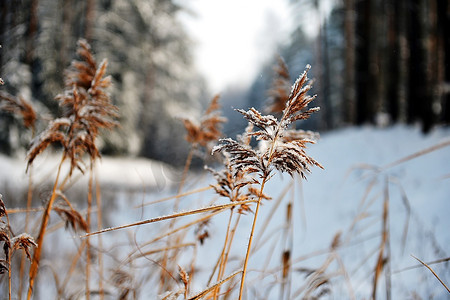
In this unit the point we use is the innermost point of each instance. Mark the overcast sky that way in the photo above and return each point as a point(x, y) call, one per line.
point(233, 37)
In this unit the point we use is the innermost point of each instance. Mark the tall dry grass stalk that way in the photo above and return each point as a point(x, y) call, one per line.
point(98, 198)
point(18, 106)
point(383, 259)
point(86, 109)
point(236, 187)
point(283, 149)
point(200, 134)
point(433, 272)
point(212, 209)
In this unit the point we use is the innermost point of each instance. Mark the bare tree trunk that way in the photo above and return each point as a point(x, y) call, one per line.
point(393, 65)
point(420, 99)
point(364, 58)
point(435, 69)
point(67, 18)
point(443, 27)
point(403, 52)
point(380, 55)
point(326, 83)
point(32, 31)
point(349, 109)
point(6, 20)
point(89, 22)
point(3, 25)
point(319, 71)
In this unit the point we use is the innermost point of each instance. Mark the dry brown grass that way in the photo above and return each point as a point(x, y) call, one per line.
point(281, 152)
point(201, 135)
point(240, 191)
point(86, 109)
point(11, 243)
point(241, 181)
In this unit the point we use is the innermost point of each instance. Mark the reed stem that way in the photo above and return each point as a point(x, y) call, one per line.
point(40, 240)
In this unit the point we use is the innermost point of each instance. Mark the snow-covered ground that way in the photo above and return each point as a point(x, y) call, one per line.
point(347, 197)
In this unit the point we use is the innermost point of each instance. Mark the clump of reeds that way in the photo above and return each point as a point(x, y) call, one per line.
point(18, 106)
point(283, 150)
point(86, 110)
point(201, 135)
point(12, 243)
point(247, 170)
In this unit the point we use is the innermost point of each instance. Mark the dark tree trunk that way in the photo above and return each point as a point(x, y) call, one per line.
point(66, 34)
point(349, 109)
point(32, 32)
point(420, 98)
point(325, 78)
point(443, 26)
point(322, 73)
point(403, 54)
point(378, 59)
point(3, 24)
point(30, 58)
point(393, 66)
point(5, 119)
point(364, 50)
point(89, 21)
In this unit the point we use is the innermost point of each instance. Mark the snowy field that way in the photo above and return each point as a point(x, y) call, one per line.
point(362, 173)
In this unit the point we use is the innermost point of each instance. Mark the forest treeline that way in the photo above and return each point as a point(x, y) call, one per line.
point(374, 62)
point(149, 59)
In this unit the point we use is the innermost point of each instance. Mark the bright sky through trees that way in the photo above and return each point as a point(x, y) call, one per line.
point(234, 36)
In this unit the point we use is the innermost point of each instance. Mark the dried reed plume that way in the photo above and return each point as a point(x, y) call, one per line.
point(285, 148)
point(71, 217)
point(86, 109)
point(280, 88)
point(208, 129)
point(124, 282)
point(235, 183)
point(281, 150)
point(21, 107)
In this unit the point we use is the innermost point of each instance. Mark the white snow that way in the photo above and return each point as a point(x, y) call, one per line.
point(117, 173)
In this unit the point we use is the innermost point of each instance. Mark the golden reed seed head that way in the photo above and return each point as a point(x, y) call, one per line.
point(208, 129)
point(86, 109)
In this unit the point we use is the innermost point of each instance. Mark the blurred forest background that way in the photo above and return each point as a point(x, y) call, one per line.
point(374, 62)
